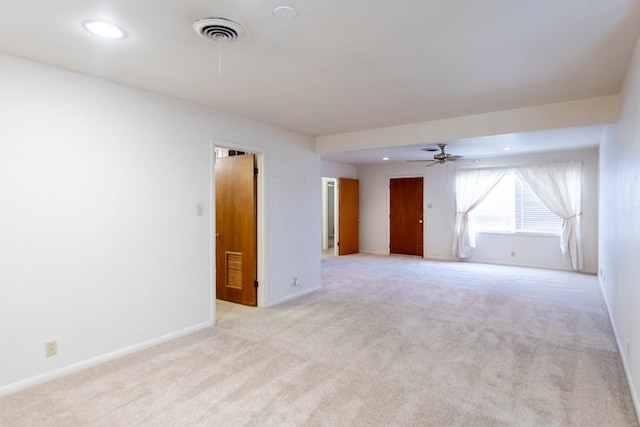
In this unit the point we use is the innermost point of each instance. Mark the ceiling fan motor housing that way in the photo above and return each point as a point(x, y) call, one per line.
point(443, 157)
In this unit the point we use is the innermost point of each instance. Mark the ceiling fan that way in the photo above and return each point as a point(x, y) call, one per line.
point(442, 157)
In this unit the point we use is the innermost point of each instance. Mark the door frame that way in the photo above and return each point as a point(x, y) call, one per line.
point(424, 211)
point(261, 188)
point(325, 198)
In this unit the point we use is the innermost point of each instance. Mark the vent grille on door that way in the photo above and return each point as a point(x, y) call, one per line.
point(234, 270)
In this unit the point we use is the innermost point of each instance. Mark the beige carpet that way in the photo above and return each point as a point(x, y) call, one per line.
point(388, 341)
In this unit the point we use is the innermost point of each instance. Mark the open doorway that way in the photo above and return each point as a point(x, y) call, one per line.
point(329, 216)
point(340, 216)
point(236, 225)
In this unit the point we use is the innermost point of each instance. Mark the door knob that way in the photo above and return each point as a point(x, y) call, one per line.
point(217, 236)
point(420, 222)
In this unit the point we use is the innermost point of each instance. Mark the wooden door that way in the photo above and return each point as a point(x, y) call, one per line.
point(405, 220)
point(348, 216)
point(236, 229)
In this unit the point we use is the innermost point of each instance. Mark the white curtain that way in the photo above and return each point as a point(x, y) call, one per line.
point(472, 186)
point(559, 188)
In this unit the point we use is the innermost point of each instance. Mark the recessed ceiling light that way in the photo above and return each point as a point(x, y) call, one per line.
point(507, 148)
point(104, 29)
point(285, 12)
point(385, 158)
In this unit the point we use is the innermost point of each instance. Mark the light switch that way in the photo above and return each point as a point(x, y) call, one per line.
point(200, 209)
point(429, 206)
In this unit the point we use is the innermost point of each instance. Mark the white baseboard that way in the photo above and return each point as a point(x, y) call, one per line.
point(432, 258)
point(294, 296)
point(373, 252)
point(623, 355)
point(451, 259)
point(441, 258)
point(77, 367)
point(526, 265)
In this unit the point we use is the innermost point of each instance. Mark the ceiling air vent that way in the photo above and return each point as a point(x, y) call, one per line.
point(219, 29)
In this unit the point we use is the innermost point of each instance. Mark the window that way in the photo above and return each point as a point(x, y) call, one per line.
point(512, 208)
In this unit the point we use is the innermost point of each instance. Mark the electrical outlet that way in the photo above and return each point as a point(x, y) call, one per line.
point(51, 348)
point(296, 282)
point(513, 254)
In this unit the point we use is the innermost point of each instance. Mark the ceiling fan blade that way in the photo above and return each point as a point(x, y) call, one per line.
point(465, 160)
point(443, 157)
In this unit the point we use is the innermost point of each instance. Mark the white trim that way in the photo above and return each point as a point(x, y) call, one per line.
point(336, 219)
point(441, 258)
point(623, 355)
point(294, 296)
point(374, 252)
point(212, 231)
point(526, 265)
point(325, 213)
point(98, 360)
point(262, 229)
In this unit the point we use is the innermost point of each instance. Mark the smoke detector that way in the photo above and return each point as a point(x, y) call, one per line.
point(219, 29)
point(285, 12)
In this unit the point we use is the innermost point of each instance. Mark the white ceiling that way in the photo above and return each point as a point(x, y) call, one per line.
point(341, 65)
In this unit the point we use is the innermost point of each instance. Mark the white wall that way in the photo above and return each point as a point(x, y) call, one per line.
point(440, 217)
point(337, 170)
point(100, 246)
point(620, 225)
point(584, 112)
